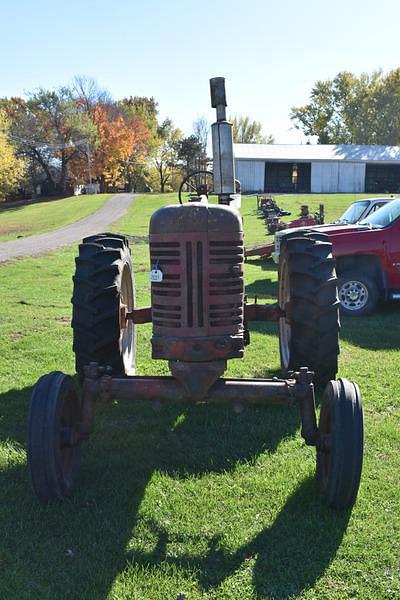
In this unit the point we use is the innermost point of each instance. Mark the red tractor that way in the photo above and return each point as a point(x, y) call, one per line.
point(275, 223)
point(200, 320)
point(305, 219)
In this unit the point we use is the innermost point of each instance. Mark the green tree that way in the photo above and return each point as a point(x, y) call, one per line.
point(246, 131)
point(166, 157)
point(353, 110)
point(60, 122)
point(47, 127)
point(146, 109)
point(191, 154)
point(11, 167)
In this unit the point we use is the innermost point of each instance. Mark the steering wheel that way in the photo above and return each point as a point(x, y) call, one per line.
point(196, 184)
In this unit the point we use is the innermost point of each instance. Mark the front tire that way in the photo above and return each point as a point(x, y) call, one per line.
point(309, 331)
point(340, 454)
point(53, 443)
point(103, 292)
point(358, 294)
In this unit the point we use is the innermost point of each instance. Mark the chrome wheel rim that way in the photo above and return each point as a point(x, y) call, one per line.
point(353, 295)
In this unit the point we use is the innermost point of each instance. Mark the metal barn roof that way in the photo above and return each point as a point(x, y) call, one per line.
point(314, 152)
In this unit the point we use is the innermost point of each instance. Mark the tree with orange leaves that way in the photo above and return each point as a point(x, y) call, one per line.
point(120, 143)
point(65, 133)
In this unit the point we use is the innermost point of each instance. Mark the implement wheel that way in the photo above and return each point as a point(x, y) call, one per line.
point(103, 294)
point(309, 331)
point(340, 453)
point(53, 444)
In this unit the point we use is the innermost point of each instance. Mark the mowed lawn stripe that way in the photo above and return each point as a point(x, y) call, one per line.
point(45, 215)
point(42, 243)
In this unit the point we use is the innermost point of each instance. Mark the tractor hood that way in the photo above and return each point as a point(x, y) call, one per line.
point(339, 229)
point(327, 228)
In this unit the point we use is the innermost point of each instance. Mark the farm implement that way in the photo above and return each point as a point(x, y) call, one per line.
point(273, 213)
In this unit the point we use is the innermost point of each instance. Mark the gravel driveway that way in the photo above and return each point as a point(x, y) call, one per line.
point(115, 208)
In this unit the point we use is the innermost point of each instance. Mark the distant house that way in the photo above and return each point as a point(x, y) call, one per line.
point(89, 188)
point(317, 168)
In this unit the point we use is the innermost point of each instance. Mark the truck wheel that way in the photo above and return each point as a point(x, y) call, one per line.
point(53, 450)
point(309, 331)
point(340, 452)
point(358, 294)
point(103, 292)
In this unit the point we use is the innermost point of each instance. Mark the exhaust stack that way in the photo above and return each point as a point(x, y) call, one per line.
point(222, 144)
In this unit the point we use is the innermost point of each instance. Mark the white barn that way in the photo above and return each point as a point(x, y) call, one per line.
point(317, 168)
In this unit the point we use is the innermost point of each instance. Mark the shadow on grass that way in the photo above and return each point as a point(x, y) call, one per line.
point(13, 414)
point(78, 548)
point(378, 331)
point(264, 263)
point(288, 557)
point(264, 287)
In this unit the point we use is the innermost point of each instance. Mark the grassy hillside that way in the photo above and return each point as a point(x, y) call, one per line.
point(25, 220)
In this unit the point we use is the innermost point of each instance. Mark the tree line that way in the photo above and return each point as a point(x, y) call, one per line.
point(353, 110)
point(52, 141)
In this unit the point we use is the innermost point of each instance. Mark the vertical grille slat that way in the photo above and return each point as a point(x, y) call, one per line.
point(226, 283)
point(200, 291)
point(189, 283)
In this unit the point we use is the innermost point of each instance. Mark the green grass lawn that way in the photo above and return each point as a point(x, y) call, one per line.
point(193, 499)
point(25, 220)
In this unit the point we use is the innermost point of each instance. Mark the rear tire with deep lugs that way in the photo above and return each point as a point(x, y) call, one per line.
point(103, 292)
point(309, 331)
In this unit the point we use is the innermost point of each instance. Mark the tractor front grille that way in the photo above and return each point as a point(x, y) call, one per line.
point(166, 295)
point(201, 293)
point(225, 284)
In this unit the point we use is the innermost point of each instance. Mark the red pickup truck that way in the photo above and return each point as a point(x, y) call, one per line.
point(367, 259)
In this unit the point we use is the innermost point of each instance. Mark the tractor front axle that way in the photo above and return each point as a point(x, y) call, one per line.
point(298, 389)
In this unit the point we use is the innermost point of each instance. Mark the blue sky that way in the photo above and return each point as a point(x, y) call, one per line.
point(271, 52)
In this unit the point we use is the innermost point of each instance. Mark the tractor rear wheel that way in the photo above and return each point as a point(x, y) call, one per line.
point(103, 293)
point(340, 452)
point(53, 448)
point(309, 331)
